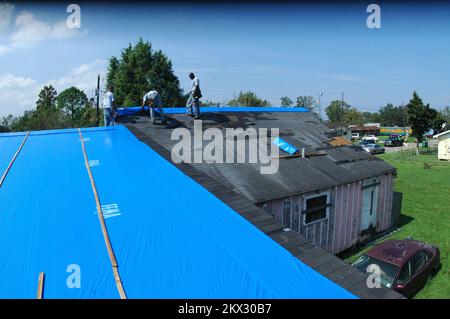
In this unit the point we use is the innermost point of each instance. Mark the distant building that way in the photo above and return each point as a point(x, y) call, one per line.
point(395, 130)
point(366, 130)
point(376, 129)
point(444, 145)
point(372, 125)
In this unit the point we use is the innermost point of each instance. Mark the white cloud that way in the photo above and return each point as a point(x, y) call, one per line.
point(10, 81)
point(30, 31)
point(6, 10)
point(83, 77)
point(19, 93)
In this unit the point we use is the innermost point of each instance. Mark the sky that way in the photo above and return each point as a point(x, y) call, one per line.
point(274, 50)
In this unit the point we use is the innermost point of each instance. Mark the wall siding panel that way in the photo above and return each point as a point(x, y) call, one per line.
point(341, 230)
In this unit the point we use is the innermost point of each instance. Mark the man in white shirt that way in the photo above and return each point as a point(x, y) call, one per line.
point(109, 107)
point(193, 103)
point(154, 100)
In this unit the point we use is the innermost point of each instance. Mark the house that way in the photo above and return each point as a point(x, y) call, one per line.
point(444, 145)
point(366, 130)
point(97, 210)
point(337, 200)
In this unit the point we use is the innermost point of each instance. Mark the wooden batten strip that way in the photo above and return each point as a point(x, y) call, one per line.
point(109, 248)
point(13, 159)
point(40, 291)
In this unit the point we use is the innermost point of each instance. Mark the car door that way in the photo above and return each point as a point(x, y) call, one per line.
point(403, 279)
point(413, 274)
point(419, 273)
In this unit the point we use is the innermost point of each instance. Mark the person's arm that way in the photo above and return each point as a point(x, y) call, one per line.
point(113, 104)
point(143, 102)
point(194, 85)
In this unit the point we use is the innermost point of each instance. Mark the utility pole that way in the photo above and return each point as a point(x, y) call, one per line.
point(98, 100)
point(404, 118)
point(320, 108)
point(342, 114)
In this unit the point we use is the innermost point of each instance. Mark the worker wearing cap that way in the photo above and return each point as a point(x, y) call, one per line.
point(154, 100)
point(193, 103)
point(109, 107)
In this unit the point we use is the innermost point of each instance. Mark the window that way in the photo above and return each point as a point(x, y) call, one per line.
point(405, 274)
point(387, 271)
point(418, 261)
point(316, 208)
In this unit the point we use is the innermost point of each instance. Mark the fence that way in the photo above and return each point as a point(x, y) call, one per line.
point(409, 151)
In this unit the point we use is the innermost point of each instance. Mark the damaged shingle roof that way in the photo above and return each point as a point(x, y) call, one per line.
point(295, 176)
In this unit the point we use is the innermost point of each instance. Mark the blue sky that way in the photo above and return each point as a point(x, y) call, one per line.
point(273, 50)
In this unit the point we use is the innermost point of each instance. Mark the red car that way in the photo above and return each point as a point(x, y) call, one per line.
point(406, 265)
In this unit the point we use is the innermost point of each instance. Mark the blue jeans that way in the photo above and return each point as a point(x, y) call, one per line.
point(193, 103)
point(108, 116)
point(153, 113)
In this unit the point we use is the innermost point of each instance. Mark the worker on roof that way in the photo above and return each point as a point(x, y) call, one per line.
point(109, 107)
point(193, 103)
point(154, 100)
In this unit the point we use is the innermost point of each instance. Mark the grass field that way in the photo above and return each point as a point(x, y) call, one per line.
point(425, 211)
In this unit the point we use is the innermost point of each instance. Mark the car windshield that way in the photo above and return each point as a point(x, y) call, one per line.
point(387, 271)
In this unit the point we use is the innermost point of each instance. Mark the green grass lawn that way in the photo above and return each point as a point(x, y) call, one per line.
point(425, 211)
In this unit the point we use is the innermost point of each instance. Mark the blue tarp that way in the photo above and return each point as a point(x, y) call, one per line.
point(132, 110)
point(172, 238)
point(285, 146)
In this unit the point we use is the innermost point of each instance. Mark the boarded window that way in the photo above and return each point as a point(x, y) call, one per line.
point(316, 208)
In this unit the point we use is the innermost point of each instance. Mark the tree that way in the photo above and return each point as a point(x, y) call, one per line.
point(307, 102)
point(248, 99)
point(335, 111)
point(391, 115)
point(72, 102)
point(370, 117)
point(47, 98)
point(112, 71)
point(446, 114)
point(7, 122)
point(46, 116)
point(353, 116)
point(138, 70)
point(420, 117)
point(437, 120)
point(286, 101)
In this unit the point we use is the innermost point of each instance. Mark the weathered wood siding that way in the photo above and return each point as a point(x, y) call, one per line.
point(341, 229)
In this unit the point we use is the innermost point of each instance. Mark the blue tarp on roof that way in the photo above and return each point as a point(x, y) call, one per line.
point(172, 238)
point(132, 110)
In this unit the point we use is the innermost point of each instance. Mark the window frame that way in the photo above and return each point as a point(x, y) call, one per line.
point(326, 206)
point(407, 264)
point(413, 273)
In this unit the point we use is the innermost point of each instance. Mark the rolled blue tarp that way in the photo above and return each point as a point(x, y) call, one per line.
point(285, 146)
